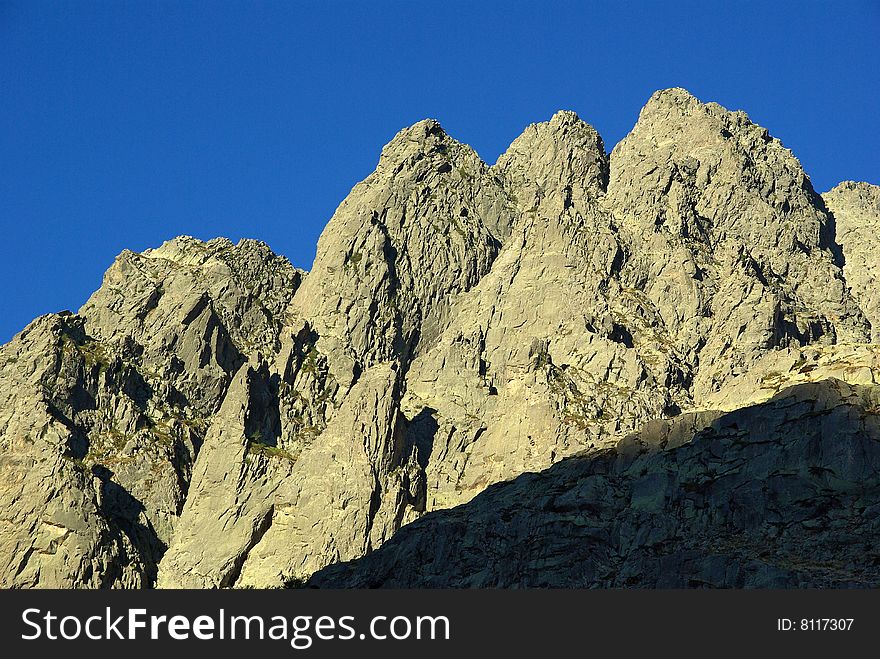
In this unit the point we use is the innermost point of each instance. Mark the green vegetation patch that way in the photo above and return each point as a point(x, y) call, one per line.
point(259, 448)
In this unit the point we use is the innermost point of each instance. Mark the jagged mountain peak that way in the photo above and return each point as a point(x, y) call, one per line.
point(672, 111)
point(425, 225)
point(702, 172)
point(682, 128)
point(678, 104)
point(215, 417)
point(557, 159)
point(184, 246)
point(565, 117)
point(427, 142)
point(421, 131)
point(235, 294)
point(678, 98)
point(860, 192)
point(700, 176)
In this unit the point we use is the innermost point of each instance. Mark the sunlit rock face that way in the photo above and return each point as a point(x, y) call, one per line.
point(648, 335)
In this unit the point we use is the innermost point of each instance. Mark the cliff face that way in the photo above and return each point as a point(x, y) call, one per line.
point(856, 210)
point(214, 417)
point(104, 412)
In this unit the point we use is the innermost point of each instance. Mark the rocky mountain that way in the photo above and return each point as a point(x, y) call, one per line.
point(654, 367)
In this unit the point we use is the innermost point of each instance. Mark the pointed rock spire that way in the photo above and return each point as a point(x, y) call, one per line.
point(701, 174)
point(555, 159)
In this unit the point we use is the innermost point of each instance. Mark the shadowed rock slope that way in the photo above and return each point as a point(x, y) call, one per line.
point(214, 417)
point(781, 494)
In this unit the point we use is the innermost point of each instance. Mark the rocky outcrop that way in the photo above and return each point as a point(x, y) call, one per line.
point(630, 288)
point(214, 417)
point(856, 211)
point(281, 513)
point(731, 244)
point(537, 356)
point(110, 407)
point(425, 226)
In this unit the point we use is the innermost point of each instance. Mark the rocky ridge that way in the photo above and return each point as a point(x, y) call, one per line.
point(214, 417)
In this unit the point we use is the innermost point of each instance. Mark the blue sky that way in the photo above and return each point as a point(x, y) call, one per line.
point(123, 124)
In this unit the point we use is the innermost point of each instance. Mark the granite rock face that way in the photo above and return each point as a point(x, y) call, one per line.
point(732, 245)
point(104, 412)
point(426, 226)
point(856, 211)
point(214, 417)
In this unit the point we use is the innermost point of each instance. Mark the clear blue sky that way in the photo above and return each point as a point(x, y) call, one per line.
point(123, 123)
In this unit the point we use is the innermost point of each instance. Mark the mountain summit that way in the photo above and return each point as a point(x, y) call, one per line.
point(568, 368)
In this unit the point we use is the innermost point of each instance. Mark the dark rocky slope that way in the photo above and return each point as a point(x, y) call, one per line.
point(781, 494)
